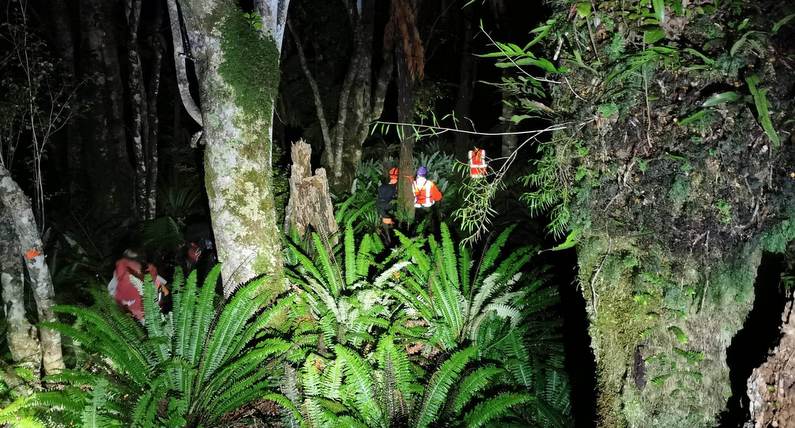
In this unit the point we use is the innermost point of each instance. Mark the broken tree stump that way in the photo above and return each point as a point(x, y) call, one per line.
point(310, 201)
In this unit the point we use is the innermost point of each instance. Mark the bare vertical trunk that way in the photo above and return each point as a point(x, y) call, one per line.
point(17, 205)
point(153, 92)
point(238, 74)
point(22, 337)
point(361, 97)
point(405, 112)
point(137, 103)
point(65, 45)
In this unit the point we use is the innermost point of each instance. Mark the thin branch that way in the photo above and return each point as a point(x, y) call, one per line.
point(321, 115)
point(441, 129)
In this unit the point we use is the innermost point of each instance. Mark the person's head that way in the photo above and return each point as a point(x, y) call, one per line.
point(393, 175)
point(422, 171)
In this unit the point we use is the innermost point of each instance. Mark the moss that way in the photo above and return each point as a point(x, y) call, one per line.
point(777, 238)
point(250, 66)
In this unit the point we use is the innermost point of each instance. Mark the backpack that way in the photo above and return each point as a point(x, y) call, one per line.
point(436, 194)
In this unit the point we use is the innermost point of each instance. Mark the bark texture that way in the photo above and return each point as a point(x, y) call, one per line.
point(18, 207)
point(310, 201)
point(22, 337)
point(238, 72)
point(771, 387)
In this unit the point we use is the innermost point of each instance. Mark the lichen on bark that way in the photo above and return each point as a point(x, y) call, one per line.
point(238, 72)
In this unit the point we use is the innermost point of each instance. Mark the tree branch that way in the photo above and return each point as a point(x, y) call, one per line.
point(321, 116)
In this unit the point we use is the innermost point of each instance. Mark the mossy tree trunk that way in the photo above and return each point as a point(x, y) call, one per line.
point(237, 61)
point(676, 183)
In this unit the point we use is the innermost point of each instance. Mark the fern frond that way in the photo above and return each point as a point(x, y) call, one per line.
point(359, 376)
point(440, 384)
point(185, 309)
point(496, 407)
point(203, 316)
point(332, 276)
point(286, 404)
point(350, 257)
point(473, 384)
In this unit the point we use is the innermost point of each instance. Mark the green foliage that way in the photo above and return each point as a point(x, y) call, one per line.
point(201, 362)
point(760, 100)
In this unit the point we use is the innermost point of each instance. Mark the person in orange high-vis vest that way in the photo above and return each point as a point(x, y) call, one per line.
point(477, 163)
point(425, 191)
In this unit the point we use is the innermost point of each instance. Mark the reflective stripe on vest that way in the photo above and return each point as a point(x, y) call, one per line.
point(419, 198)
point(477, 163)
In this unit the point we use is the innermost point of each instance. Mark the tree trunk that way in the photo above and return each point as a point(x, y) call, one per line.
point(22, 337)
point(238, 72)
point(64, 42)
point(137, 95)
point(153, 91)
point(405, 112)
point(509, 141)
point(104, 155)
point(18, 206)
point(466, 85)
point(310, 200)
point(668, 248)
point(770, 387)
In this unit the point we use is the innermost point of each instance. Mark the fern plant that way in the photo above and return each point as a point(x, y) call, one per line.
point(198, 362)
point(387, 389)
point(342, 289)
point(454, 296)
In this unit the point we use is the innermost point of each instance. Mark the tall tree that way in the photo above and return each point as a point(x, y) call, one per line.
point(237, 62)
point(361, 97)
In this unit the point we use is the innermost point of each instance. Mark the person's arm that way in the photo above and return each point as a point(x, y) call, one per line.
point(428, 201)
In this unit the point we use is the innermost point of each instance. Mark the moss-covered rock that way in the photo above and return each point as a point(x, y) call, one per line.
point(676, 184)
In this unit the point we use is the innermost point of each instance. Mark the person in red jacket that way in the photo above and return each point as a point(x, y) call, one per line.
point(127, 284)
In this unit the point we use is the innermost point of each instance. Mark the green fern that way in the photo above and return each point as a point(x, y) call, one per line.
point(204, 362)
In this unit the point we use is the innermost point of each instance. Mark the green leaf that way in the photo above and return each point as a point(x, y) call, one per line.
point(721, 98)
point(653, 36)
point(659, 10)
point(518, 118)
point(760, 100)
point(571, 240)
point(680, 335)
point(607, 110)
point(782, 22)
point(584, 9)
point(693, 117)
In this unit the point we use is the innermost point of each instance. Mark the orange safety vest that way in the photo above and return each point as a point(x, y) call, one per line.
point(477, 163)
point(425, 194)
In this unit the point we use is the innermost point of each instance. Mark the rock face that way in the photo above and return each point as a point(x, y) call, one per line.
point(771, 387)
